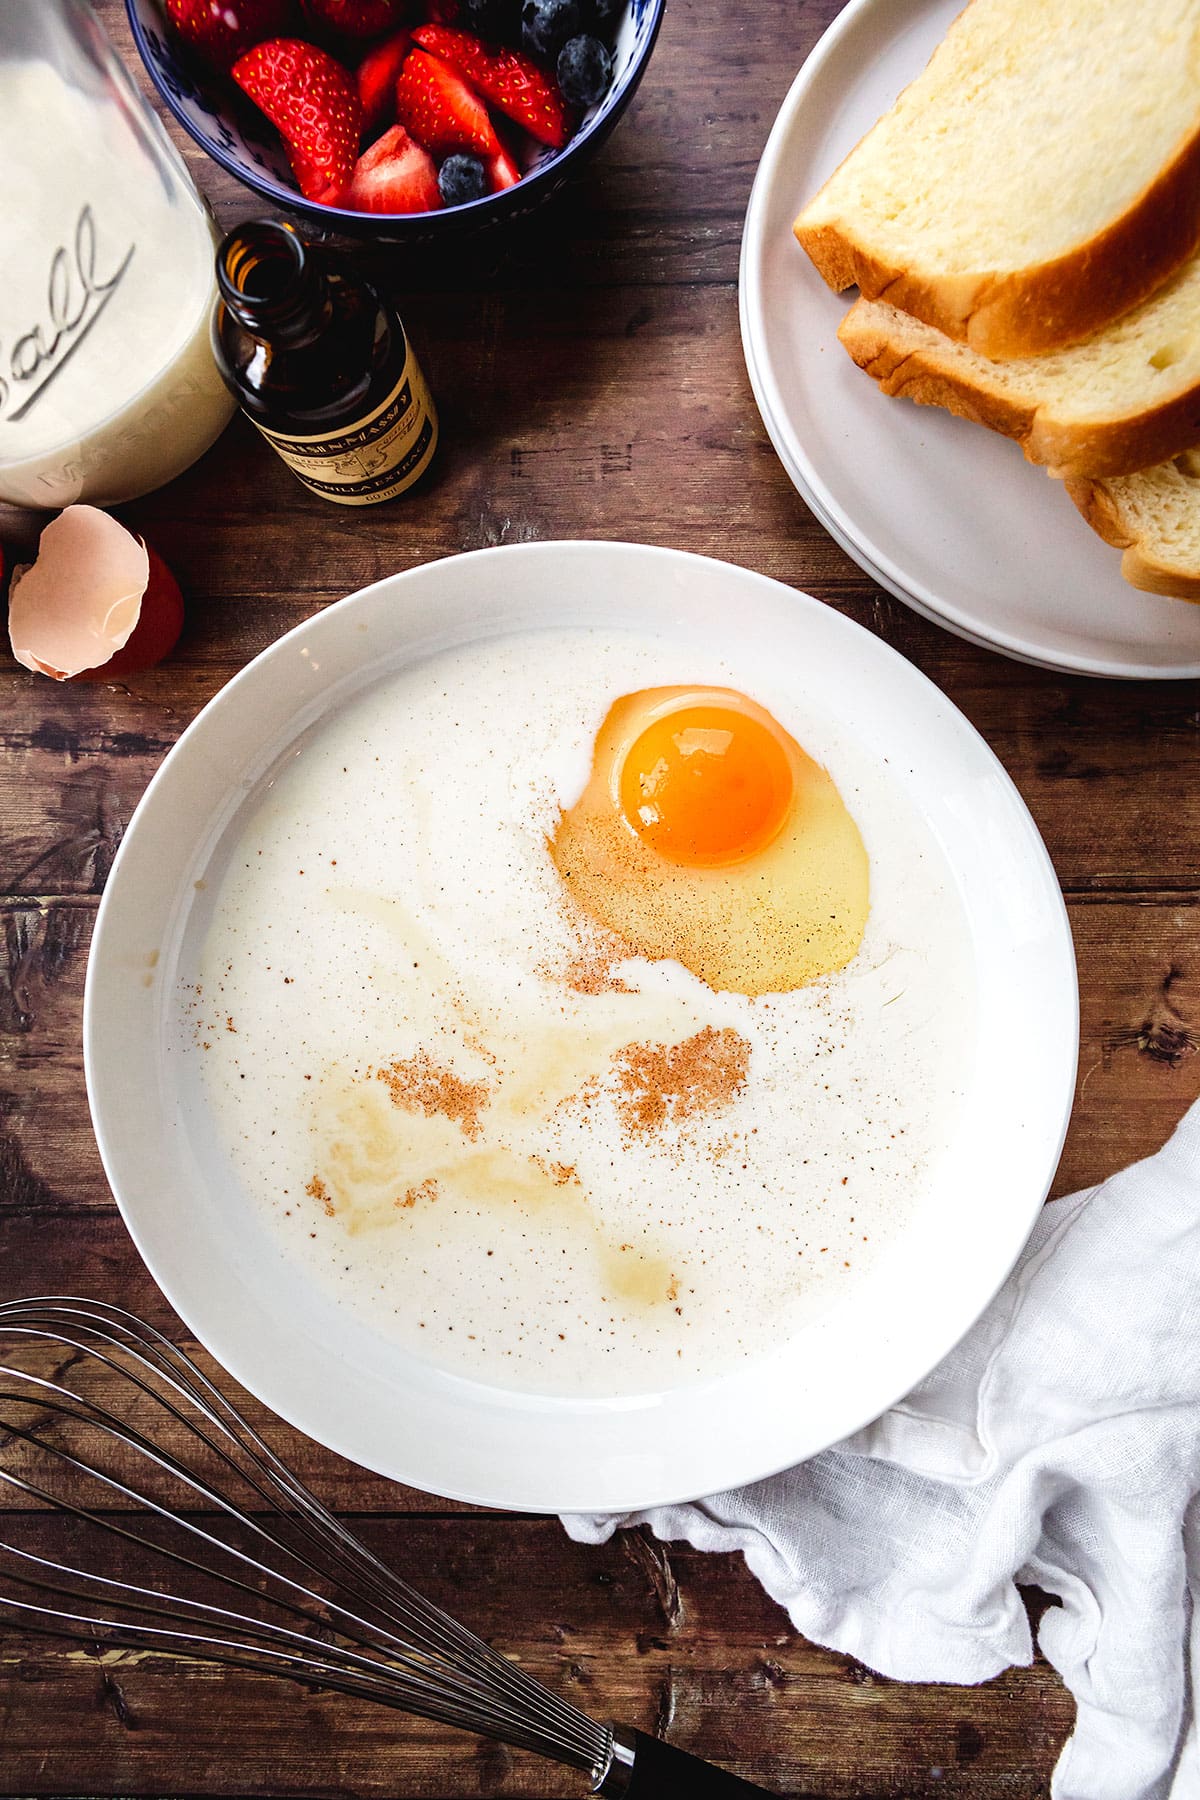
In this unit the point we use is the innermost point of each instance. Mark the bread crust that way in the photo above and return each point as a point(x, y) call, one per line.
point(1049, 305)
point(1138, 565)
point(1067, 447)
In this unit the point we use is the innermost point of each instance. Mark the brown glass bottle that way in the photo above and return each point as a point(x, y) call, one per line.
point(322, 365)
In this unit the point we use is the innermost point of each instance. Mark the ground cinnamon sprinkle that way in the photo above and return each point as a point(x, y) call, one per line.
point(665, 1083)
point(560, 1173)
point(418, 1084)
point(591, 973)
point(316, 1190)
point(425, 1190)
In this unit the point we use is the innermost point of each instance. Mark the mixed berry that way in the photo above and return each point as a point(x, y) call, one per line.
point(402, 106)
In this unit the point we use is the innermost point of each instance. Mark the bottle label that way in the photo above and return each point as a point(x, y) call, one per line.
point(377, 457)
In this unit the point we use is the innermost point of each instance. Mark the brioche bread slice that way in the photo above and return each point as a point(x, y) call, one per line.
point(1154, 517)
point(1039, 178)
point(1122, 400)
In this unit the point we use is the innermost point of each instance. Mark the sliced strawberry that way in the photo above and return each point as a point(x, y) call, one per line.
point(356, 18)
point(309, 178)
point(377, 75)
point(501, 170)
point(394, 176)
point(312, 102)
point(223, 30)
point(440, 109)
point(513, 84)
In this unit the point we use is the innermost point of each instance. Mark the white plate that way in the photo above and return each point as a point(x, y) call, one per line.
point(325, 1372)
point(948, 516)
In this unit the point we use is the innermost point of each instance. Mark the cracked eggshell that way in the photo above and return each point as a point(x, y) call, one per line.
point(97, 602)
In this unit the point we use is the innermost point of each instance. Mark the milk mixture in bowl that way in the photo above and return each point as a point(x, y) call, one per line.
point(585, 1019)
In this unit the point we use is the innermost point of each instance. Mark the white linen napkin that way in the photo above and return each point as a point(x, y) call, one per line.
point(1059, 1444)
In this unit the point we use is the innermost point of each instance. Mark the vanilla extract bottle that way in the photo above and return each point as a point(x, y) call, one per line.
point(322, 365)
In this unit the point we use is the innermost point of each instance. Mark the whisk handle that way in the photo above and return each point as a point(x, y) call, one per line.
point(644, 1768)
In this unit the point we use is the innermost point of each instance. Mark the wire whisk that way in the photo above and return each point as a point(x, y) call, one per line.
point(198, 1542)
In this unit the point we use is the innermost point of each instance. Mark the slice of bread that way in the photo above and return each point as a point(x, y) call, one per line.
point(1041, 176)
point(1122, 400)
point(1154, 517)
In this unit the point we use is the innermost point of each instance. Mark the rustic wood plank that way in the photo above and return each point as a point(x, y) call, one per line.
point(1140, 1007)
point(659, 1638)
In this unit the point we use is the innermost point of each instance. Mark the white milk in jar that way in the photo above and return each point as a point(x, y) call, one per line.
point(107, 383)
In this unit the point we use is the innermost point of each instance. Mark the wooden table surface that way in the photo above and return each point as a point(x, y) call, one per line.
point(591, 384)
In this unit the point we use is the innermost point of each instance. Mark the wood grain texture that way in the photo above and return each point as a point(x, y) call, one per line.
point(590, 379)
point(664, 1639)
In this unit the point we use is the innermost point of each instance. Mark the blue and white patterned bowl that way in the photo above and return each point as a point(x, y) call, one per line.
point(236, 135)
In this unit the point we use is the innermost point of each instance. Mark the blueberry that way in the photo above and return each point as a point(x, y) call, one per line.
point(493, 19)
point(547, 24)
point(584, 70)
point(461, 178)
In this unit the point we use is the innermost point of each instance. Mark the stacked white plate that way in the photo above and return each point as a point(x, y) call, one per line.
point(948, 517)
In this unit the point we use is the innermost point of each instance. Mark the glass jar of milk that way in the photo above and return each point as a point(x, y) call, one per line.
point(107, 382)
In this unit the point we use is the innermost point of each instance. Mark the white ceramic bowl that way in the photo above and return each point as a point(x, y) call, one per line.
point(325, 1372)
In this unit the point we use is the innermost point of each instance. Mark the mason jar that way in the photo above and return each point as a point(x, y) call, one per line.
point(107, 382)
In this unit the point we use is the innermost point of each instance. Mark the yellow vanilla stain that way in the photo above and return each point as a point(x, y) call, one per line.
point(379, 1164)
point(535, 1060)
point(381, 1160)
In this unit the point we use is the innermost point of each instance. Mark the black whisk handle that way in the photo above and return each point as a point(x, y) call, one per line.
point(644, 1768)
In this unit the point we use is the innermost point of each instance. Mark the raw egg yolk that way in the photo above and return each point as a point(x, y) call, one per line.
point(706, 785)
point(706, 835)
